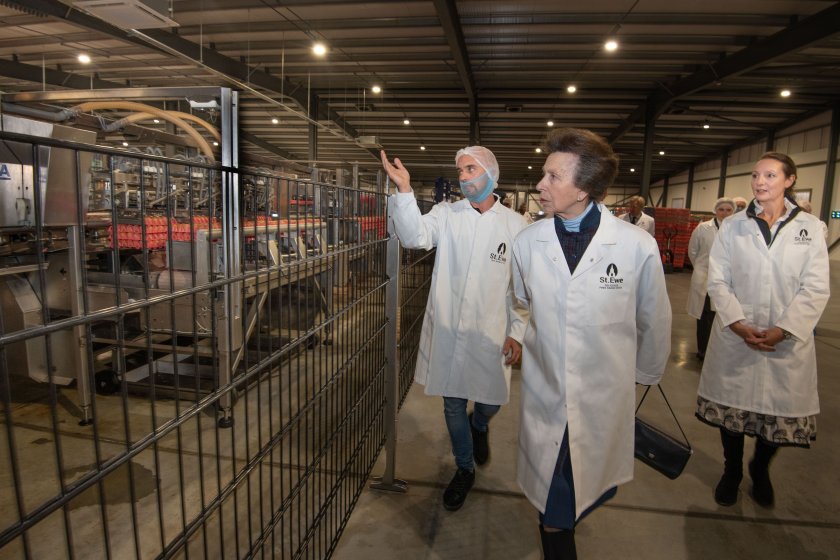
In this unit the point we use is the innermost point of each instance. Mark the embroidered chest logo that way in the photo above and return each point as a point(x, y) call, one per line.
point(499, 255)
point(612, 281)
point(803, 238)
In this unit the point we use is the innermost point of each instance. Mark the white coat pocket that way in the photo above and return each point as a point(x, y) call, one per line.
point(614, 302)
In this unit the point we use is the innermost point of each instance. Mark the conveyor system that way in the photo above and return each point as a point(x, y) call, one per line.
point(144, 241)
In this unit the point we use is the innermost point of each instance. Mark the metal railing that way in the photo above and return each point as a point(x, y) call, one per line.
point(226, 333)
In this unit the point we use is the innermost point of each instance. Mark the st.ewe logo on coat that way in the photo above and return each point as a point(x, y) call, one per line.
point(499, 255)
point(612, 281)
point(803, 238)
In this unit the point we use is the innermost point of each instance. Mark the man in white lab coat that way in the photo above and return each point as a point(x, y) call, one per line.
point(472, 331)
point(699, 305)
point(600, 321)
point(636, 215)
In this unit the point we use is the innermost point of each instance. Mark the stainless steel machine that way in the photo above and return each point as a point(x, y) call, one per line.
point(147, 270)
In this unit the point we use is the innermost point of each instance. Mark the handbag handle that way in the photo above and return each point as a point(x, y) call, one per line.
point(669, 408)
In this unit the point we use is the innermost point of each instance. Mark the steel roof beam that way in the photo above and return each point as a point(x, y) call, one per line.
point(448, 13)
point(811, 30)
point(39, 74)
point(206, 56)
point(271, 148)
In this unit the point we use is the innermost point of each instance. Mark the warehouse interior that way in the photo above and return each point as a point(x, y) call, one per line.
point(208, 334)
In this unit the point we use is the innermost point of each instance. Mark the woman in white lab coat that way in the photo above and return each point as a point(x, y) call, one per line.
point(699, 246)
point(600, 322)
point(768, 281)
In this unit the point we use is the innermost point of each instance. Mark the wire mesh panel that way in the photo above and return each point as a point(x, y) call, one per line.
point(191, 356)
point(415, 279)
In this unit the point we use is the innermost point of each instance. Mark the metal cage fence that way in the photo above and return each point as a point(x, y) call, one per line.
point(415, 280)
point(225, 330)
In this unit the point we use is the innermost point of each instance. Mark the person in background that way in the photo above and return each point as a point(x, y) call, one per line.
point(768, 281)
point(806, 206)
point(635, 215)
point(470, 336)
point(600, 322)
point(523, 209)
point(740, 203)
point(699, 305)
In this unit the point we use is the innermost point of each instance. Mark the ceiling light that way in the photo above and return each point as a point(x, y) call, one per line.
point(422, 148)
point(84, 59)
point(632, 170)
point(571, 89)
point(785, 93)
point(406, 121)
point(156, 121)
point(707, 126)
point(550, 123)
point(376, 89)
point(538, 150)
point(319, 49)
point(125, 143)
point(661, 152)
point(611, 45)
point(275, 120)
point(215, 143)
point(530, 167)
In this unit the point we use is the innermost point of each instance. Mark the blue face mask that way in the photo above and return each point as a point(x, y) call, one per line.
point(475, 190)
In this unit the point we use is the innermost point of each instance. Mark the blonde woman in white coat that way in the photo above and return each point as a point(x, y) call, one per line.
point(600, 322)
point(699, 306)
point(768, 281)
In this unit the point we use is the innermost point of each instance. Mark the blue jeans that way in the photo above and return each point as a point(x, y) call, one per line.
point(458, 424)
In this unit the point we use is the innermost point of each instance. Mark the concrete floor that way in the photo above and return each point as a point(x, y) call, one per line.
point(651, 518)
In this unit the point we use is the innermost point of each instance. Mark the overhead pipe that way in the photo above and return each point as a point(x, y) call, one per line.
point(137, 117)
point(143, 111)
point(52, 116)
point(143, 108)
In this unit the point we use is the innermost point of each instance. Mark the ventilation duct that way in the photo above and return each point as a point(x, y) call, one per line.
point(368, 142)
point(129, 14)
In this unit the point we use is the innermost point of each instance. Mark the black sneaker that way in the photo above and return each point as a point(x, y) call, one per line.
point(726, 492)
point(481, 445)
point(762, 489)
point(456, 493)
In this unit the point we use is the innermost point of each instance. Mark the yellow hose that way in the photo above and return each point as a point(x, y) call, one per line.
point(143, 108)
point(137, 117)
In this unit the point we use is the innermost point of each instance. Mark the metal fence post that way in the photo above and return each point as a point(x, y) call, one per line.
point(387, 481)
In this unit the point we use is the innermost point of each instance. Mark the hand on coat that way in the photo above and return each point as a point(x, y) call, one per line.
point(397, 172)
point(512, 351)
point(763, 340)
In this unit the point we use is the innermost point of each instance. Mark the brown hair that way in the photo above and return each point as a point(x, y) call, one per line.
point(597, 163)
point(788, 167)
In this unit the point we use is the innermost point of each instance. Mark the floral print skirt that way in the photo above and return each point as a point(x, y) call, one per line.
point(778, 430)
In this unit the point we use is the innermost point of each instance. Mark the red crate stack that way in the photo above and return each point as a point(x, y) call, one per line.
point(677, 222)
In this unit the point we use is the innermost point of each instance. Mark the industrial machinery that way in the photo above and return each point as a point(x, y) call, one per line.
point(151, 267)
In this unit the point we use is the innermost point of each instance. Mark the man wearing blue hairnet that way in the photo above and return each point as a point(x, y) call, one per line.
point(472, 329)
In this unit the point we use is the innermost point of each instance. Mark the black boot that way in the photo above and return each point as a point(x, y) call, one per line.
point(726, 492)
point(456, 493)
point(558, 545)
point(762, 489)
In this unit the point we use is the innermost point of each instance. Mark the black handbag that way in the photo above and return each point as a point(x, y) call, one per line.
point(657, 449)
